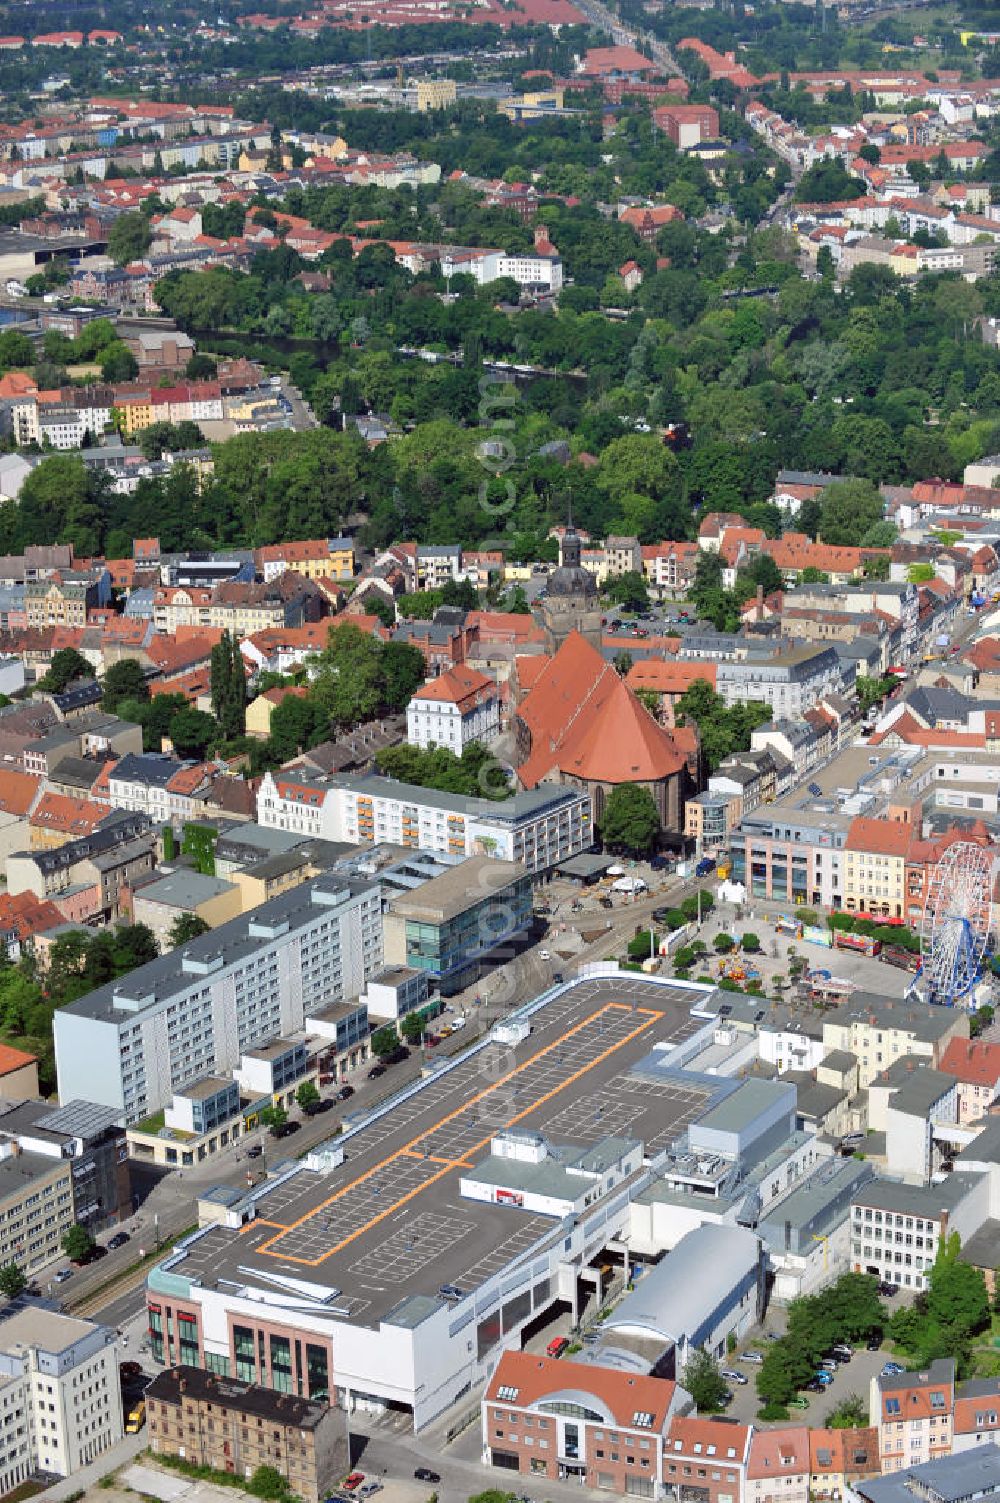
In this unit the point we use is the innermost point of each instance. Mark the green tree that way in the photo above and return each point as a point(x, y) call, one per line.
point(12, 1280)
point(129, 238)
point(723, 943)
point(228, 685)
point(273, 1118)
point(412, 1027)
point(66, 666)
point(192, 732)
point(850, 1414)
point(124, 680)
point(117, 362)
point(76, 1242)
point(628, 590)
point(629, 821)
point(268, 1483)
point(953, 1308)
point(871, 691)
point(751, 943)
point(704, 1382)
point(185, 927)
point(384, 1041)
point(307, 1095)
point(849, 508)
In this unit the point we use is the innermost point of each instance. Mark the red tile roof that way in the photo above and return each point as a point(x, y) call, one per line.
point(15, 1059)
point(669, 675)
point(65, 815)
point(17, 791)
point(623, 1394)
point(460, 686)
point(585, 722)
point(779, 1452)
point(973, 1061)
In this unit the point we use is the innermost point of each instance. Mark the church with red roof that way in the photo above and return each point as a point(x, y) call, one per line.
point(580, 723)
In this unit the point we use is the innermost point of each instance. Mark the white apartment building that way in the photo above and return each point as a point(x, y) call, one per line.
point(133, 1043)
point(60, 1399)
point(540, 828)
point(459, 707)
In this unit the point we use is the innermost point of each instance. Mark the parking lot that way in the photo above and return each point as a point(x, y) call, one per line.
point(853, 1378)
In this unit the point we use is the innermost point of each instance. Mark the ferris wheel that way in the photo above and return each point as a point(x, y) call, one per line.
point(956, 922)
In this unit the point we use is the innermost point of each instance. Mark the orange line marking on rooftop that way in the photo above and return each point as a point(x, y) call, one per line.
point(407, 1148)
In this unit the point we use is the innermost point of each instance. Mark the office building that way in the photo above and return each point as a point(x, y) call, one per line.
point(453, 923)
point(60, 1400)
point(90, 1139)
point(197, 1010)
point(36, 1206)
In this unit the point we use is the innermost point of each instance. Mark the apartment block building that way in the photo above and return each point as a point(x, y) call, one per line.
point(913, 1413)
point(975, 1067)
point(790, 682)
point(540, 828)
point(316, 558)
point(133, 1043)
point(880, 1030)
point(236, 1427)
point(60, 1400)
point(64, 599)
point(36, 1206)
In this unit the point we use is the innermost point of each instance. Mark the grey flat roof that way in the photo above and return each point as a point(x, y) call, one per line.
point(209, 1085)
point(17, 1173)
point(352, 1228)
point(746, 1103)
point(455, 890)
point(917, 1200)
point(985, 1146)
point(229, 943)
point(805, 1204)
point(184, 889)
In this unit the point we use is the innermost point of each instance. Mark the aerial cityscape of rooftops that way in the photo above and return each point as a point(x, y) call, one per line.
point(500, 751)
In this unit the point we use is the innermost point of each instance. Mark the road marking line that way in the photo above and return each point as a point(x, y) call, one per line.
point(650, 1018)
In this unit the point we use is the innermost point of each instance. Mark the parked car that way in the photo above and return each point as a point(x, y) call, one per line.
point(815, 1386)
point(345, 1093)
point(450, 1291)
point(118, 1240)
point(887, 1290)
point(354, 1480)
point(824, 1379)
point(557, 1346)
point(424, 1474)
point(376, 1071)
point(799, 1402)
point(457, 1023)
point(558, 977)
point(829, 1365)
point(755, 1357)
point(842, 1351)
point(254, 1151)
point(874, 1341)
point(544, 955)
point(732, 1376)
point(892, 1370)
